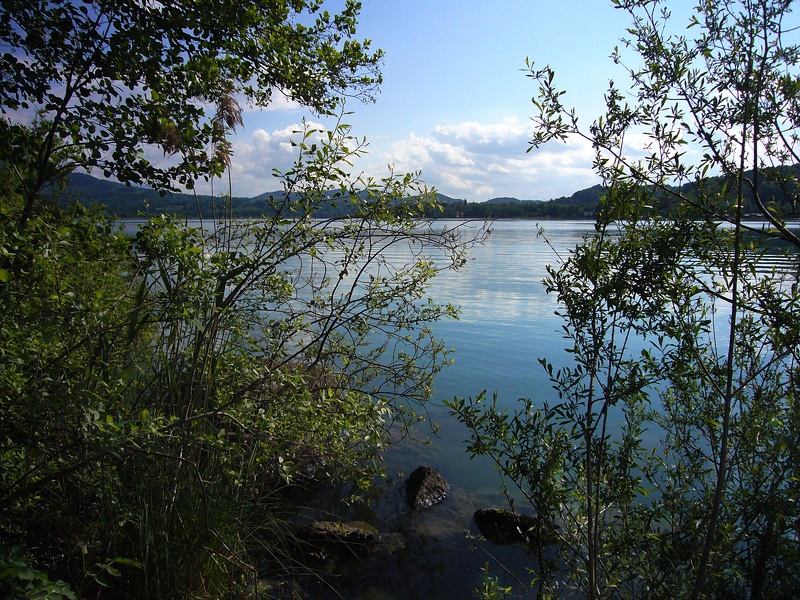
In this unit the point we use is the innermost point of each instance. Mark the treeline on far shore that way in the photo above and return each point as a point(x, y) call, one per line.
point(580, 205)
point(128, 202)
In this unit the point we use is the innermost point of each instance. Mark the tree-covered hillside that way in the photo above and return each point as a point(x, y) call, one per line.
point(127, 202)
point(581, 205)
point(132, 202)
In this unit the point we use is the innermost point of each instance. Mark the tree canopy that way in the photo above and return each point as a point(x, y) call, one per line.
point(106, 80)
point(165, 397)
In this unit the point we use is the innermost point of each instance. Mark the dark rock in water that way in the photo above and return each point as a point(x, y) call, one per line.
point(324, 539)
point(425, 487)
point(504, 528)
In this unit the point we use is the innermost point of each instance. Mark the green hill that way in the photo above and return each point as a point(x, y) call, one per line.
point(131, 202)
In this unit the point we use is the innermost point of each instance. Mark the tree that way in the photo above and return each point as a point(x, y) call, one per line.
point(163, 397)
point(111, 78)
point(678, 326)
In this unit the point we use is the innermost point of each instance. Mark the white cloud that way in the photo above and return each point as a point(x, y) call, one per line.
point(471, 160)
point(479, 161)
point(279, 102)
point(256, 156)
point(509, 131)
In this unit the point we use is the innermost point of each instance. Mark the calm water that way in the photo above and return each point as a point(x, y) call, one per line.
point(507, 323)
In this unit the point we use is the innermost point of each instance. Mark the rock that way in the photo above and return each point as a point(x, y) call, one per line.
point(504, 528)
point(390, 543)
point(425, 487)
point(326, 539)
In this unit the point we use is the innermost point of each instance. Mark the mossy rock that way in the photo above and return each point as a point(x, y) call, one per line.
point(324, 539)
point(504, 528)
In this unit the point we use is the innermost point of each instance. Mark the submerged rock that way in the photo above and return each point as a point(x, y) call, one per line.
point(325, 539)
point(425, 487)
point(504, 528)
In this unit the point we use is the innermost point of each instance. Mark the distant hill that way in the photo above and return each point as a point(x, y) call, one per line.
point(132, 201)
point(581, 205)
point(589, 196)
point(448, 200)
point(507, 200)
point(127, 202)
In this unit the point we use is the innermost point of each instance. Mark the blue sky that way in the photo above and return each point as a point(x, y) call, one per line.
point(455, 102)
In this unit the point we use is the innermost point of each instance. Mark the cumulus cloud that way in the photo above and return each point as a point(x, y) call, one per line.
point(259, 154)
point(507, 132)
point(279, 102)
point(479, 161)
point(471, 160)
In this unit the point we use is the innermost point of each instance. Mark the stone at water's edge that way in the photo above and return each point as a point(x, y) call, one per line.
point(504, 528)
point(425, 487)
point(326, 538)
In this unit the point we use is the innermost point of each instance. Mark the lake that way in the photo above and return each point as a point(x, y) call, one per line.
point(507, 323)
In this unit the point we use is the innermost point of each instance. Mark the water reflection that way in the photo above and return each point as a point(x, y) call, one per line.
point(503, 282)
point(507, 323)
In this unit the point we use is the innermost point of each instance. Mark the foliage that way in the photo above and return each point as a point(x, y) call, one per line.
point(162, 395)
point(112, 78)
point(492, 590)
point(133, 202)
point(166, 399)
point(19, 580)
point(581, 205)
point(668, 464)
